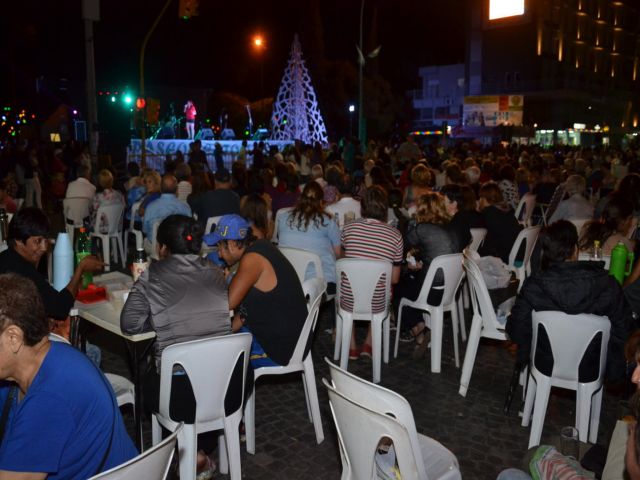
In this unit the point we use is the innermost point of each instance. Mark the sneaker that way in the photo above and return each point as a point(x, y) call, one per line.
point(366, 351)
point(354, 354)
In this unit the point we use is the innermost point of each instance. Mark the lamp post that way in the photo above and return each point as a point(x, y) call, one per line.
point(360, 73)
point(352, 109)
point(259, 45)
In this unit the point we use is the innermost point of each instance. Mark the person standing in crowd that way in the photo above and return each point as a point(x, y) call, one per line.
point(190, 118)
point(63, 418)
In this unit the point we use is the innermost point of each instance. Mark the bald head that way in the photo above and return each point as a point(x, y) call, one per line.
point(169, 184)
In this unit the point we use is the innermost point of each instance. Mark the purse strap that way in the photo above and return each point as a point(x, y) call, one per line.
point(11, 396)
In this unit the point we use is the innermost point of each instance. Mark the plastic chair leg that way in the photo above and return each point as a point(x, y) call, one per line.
point(398, 328)
point(386, 335)
point(187, 441)
point(232, 443)
point(123, 258)
point(306, 396)
point(539, 412)
point(310, 377)
point(250, 421)
point(454, 324)
point(345, 341)
point(528, 402)
point(156, 430)
point(470, 355)
point(223, 454)
point(436, 340)
point(105, 252)
point(376, 349)
point(338, 340)
point(594, 424)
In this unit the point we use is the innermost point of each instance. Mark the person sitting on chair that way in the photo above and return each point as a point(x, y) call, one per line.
point(567, 285)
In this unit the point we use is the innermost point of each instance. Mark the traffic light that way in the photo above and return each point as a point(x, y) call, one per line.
point(188, 9)
point(153, 111)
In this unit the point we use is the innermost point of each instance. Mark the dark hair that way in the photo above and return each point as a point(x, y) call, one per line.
point(507, 172)
point(454, 173)
point(469, 200)
point(491, 192)
point(200, 183)
point(334, 176)
point(21, 305)
point(375, 204)
point(558, 242)
point(617, 210)
point(630, 188)
point(454, 193)
point(395, 203)
point(133, 169)
point(253, 208)
point(309, 208)
point(180, 234)
point(28, 222)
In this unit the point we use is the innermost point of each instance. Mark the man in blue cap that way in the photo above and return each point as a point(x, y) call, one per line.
point(265, 292)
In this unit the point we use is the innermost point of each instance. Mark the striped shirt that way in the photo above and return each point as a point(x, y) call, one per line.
point(371, 239)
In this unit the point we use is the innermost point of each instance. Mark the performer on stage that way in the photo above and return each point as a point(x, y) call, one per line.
point(190, 116)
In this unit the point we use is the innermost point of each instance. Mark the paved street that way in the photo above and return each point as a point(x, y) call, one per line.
point(474, 428)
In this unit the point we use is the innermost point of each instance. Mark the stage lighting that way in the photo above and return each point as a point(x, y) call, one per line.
point(128, 99)
point(113, 99)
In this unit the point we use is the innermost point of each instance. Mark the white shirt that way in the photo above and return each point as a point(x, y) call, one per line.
point(81, 188)
point(342, 206)
point(184, 190)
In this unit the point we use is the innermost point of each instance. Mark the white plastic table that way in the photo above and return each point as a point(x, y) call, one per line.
point(106, 316)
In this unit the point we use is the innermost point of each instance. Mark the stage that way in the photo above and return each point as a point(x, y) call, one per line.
point(157, 150)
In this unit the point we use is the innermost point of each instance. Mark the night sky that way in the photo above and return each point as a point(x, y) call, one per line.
point(213, 50)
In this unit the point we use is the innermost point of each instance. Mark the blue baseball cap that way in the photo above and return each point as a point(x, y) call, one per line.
point(230, 227)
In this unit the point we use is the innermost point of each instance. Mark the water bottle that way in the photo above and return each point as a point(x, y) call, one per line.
point(4, 225)
point(596, 251)
point(62, 261)
point(83, 249)
point(140, 264)
point(621, 262)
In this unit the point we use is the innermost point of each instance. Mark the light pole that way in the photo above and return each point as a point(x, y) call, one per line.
point(352, 109)
point(260, 46)
point(91, 13)
point(360, 73)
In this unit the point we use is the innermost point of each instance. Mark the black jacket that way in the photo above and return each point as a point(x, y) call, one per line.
point(572, 288)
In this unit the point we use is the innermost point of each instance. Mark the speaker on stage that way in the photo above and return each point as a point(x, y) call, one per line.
point(228, 134)
point(205, 134)
point(166, 132)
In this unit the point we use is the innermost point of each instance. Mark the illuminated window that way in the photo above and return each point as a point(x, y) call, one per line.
point(505, 8)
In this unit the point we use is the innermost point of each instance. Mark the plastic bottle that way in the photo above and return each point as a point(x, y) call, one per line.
point(83, 249)
point(140, 264)
point(596, 251)
point(62, 261)
point(621, 262)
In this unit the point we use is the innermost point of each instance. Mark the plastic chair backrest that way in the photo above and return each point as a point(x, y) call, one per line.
point(302, 261)
point(114, 217)
point(134, 212)
point(209, 363)
point(581, 329)
point(153, 463)
point(303, 345)
point(529, 235)
point(451, 266)
point(579, 223)
point(363, 275)
point(212, 222)
point(584, 256)
point(477, 238)
point(313, 288)
point(361, 429)
point(480, 299)
point(279, 213)
point(556, 198)
point(525, 208)
point(379, 399)
point(76, 209)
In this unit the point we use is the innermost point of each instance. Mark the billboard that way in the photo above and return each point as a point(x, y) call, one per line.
point(505, 8)
point(492, 110)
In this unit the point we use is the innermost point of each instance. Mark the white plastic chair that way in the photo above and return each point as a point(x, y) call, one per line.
point(581, 329)
point(451, 266)
point(363, 276)
point(75, 210)
point(154, 243)
point(528, 235)
point(154, 463)
point(132, 230)
point(548, 209)
point(114, 217)
point(484, 323)
point(209, 363)
point(477, 238)
point(301, 361)
point(312, 289)
point(360, 430)
point(279, 213)
point(301, 260)
point(525, 209)
point(579, 223)
point(433, 460)
point(212, 222)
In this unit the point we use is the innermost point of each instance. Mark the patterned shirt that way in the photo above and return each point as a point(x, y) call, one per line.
point(370, 239)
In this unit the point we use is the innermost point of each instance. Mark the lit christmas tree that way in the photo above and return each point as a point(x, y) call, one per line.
point(296, 115)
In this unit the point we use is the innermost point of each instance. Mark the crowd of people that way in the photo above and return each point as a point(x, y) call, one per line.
point(405, 204)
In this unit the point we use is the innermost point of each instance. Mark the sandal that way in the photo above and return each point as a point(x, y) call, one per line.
point(409, 336)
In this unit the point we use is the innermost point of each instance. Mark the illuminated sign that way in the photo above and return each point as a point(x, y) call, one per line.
point(505, 8)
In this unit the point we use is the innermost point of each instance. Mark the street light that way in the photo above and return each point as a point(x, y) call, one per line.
point(352, 108)
point(259, 46)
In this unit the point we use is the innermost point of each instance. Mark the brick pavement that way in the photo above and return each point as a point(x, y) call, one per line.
point(474, 428)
